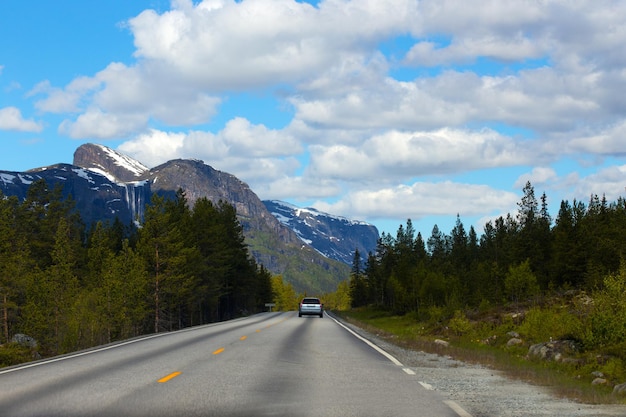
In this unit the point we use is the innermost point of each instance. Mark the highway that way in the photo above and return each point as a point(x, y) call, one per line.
point(270, 364)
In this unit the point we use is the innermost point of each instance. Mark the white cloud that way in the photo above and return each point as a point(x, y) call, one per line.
point(538, 176)
point(429, 54)
point(67, 100)
point(190, 55)
point(229, 44)
point(120, 101)
point(395, 155)
point(609, 141)
point(298, 188)
point(95, 123)
point(422, 199)
point(243, 138)
point(609, 182)
point(154, 147)
point(11, 119)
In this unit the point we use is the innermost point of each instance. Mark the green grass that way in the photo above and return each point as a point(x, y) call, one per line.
point(562, 380)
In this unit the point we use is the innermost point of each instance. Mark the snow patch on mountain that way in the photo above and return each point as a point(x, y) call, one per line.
point(333, 236)
point(125, 161)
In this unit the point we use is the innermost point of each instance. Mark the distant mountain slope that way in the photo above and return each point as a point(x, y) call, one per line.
point(333, 236)
point(96, 196)
point(107, 184)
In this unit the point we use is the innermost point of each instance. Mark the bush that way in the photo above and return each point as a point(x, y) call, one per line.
point(613, 369)
point(607, 321)
point(13, 354)
point(520, 282)
point(459, 324)
point(542, 325)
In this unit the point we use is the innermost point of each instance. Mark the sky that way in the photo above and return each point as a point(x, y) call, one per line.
point(375, 110)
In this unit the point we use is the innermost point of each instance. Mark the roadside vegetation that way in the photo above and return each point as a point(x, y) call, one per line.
point(65, 286)
point(559, 286)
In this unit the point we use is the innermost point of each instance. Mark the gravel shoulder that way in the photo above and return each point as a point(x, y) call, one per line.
point(485, 392)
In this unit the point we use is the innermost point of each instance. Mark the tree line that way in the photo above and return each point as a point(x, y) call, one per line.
point(71, 287)
point(517, 257)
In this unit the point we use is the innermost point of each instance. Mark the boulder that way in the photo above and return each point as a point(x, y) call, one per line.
point(620, 389)
point(441, 343)
point(24, 340)
point(553, 350)
point(599, 381)
point(514, 342)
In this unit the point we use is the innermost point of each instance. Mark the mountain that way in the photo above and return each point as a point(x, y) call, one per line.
point(97, 197)
point(106, 184)
point(333, 236)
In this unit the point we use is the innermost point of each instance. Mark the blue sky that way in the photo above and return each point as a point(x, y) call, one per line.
point(374, 110)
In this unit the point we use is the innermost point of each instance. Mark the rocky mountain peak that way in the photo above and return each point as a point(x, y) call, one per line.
point(106, 161)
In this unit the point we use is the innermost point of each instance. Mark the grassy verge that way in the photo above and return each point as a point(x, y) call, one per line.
point(563, 380)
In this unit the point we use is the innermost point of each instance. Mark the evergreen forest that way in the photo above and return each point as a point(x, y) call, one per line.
point(69, 286)
point(516, 258)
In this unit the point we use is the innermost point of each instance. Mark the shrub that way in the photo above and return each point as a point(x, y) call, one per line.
point(541, 325)
point(13, 354)
point(607, 321)
point(459, 324)
point(520, 282)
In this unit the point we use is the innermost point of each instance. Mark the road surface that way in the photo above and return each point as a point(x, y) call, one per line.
point(270, 364)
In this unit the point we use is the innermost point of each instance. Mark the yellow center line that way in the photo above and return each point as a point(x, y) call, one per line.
point(243, 337)
point(217, 352)
point(258, 331)
point(170, 376)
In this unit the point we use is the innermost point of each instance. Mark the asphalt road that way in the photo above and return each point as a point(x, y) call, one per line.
point(271, 364)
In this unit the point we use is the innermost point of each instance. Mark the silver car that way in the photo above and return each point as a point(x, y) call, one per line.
point(311, 306)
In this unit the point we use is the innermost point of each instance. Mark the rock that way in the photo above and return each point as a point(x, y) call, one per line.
point(540, 350)
point(620, 389)
point(490, 340)
point(514, 342)
point(553, 350)
point(24, 340)
point(514, 335)
point(599, 381)
point(441, 343)
point(597, 374)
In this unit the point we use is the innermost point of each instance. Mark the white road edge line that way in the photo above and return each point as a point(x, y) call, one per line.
point(457, 408)
point(76, 355)
point(426, 386)
point(372, 345)
point(454, 406)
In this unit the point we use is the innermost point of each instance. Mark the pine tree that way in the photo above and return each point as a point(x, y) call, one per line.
point(15, 265)
point(358, 286)
point(160, 242)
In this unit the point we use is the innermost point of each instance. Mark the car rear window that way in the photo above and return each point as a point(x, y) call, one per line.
point(311, 301)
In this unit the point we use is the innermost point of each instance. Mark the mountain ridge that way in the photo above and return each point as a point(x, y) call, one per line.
point(107, 184)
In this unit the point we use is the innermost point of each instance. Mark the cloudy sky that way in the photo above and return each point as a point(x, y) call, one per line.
point(376, 110)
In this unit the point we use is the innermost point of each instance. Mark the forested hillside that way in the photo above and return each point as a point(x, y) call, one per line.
point(69, 286)
point(516, 257)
